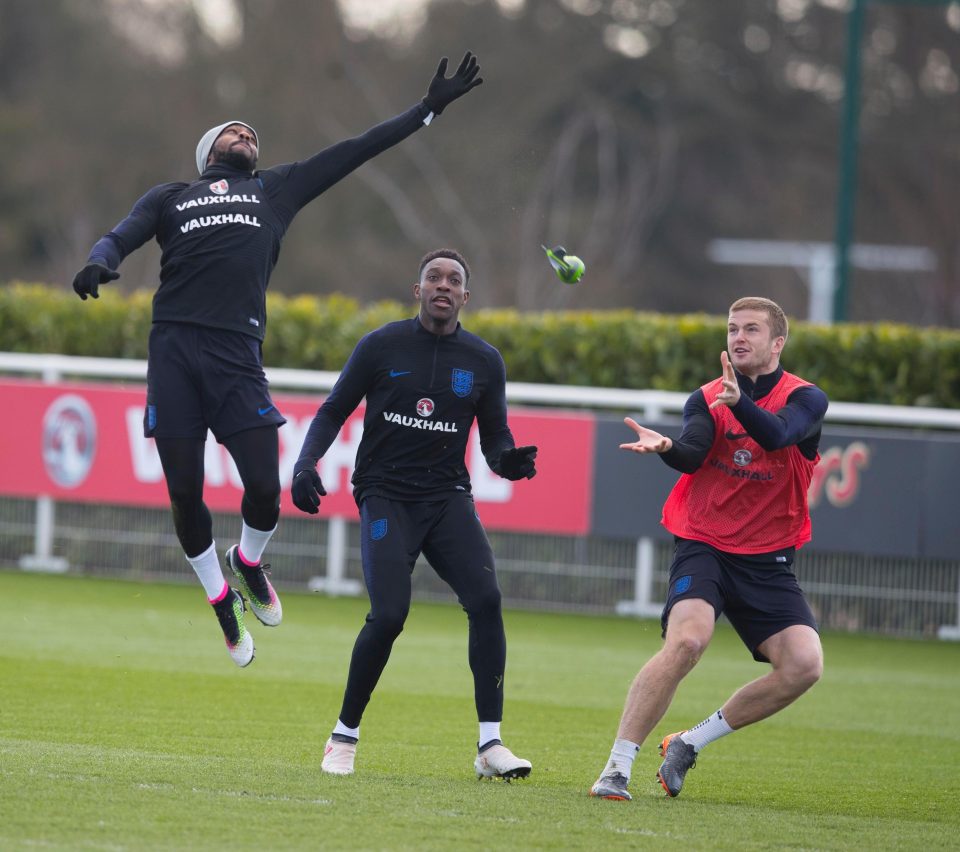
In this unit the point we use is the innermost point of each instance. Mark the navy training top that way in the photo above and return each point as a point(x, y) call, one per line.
point(221, 234)
point(423, 392)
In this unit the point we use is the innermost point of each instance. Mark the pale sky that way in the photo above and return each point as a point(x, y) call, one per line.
point(633, 31)
point(400, 19)
point(396, 19)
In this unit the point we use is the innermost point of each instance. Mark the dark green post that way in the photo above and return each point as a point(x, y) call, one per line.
point(849, 145)
point(849, 135)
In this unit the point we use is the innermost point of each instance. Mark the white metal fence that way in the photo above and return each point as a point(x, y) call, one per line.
point(585, 574)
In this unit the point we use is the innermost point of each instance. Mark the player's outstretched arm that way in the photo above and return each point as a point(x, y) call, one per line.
point(445, 90)
point(647, 441)
point(292, 185)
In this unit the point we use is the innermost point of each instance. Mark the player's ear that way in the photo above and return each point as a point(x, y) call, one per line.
point(466, 296)
point(416, 290)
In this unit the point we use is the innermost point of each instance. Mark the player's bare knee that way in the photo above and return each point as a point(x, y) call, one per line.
point(812, 671)
point(687, 648)
point(803, 671)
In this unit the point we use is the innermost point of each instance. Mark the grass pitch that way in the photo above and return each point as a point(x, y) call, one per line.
point(124, 725)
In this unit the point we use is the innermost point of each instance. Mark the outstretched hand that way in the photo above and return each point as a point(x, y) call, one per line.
point(445, 90)
point(88, 280)
point(730, 395)
point(518, 463)
point(306, 490)
point(647, 441)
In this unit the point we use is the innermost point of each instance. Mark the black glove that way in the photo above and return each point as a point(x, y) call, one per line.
point(445, 90)
point(88, 280)
point(517, 463)
point(307, 489)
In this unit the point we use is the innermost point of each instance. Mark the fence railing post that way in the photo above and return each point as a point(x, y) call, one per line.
point(952, 631)
point(642, 604)
point(336, 582)
point(42, 558)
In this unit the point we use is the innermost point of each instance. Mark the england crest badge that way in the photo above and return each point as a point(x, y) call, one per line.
point(462, 382)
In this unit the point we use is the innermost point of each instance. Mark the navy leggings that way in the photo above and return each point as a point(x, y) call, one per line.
point(449, 534)
point(256, 453)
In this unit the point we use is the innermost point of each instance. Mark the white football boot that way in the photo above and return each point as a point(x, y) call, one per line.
point(338, 757)
point(497, 761)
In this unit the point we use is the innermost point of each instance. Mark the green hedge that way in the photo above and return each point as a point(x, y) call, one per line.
point(880, 363)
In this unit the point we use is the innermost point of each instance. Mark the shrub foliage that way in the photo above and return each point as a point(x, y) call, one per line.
point(882, 363)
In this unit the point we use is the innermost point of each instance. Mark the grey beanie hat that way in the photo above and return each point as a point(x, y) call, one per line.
point(208, 138)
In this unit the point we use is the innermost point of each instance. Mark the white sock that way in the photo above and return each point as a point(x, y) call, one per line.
point(253, 543)
point(489, 731)
point(621, 758)
point(342, 729)
point(710, 729)
point(208, 570)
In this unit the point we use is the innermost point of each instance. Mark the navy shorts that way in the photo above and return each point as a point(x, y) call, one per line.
point(201, 378)
point(758, 593)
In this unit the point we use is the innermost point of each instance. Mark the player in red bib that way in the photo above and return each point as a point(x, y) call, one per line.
point(746, 451)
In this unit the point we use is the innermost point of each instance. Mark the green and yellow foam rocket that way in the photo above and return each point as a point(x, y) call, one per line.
point(569, 267)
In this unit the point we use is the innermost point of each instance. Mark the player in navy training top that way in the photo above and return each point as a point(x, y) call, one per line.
point(220, 237)
point(425, 381)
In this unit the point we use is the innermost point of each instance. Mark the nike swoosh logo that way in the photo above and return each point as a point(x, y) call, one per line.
point(395, 373)
point(262, 411)
point(735, 436)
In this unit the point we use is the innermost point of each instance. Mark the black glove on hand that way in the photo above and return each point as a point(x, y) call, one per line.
point(443, 90)
point(307, 489)
point(88, 280)
point(517, 463)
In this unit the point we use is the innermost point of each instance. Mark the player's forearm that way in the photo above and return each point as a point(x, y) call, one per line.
point(321, 171)
point(108, 250)
point(322, 432)
point(689, 450)
point(493, 444)
point(130, 233)
point(684, 458)
point(802, 415)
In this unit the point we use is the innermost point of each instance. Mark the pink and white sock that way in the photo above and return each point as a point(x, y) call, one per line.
point(252, 544)
point(208, 571)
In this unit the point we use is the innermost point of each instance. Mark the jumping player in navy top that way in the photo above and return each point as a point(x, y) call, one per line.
point(425, 381)
point(220, 237)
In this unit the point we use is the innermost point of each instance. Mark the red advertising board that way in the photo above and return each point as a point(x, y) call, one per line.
point(84, 443)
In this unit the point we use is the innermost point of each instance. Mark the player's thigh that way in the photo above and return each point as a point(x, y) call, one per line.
point(795, 650)
point(174, 406)
point(763, 601)
point(389, 548)
point(256, 453)
point(459, 551)
point(695, 595)
point(691, 624)
point(235, 393)
point(182, 463)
